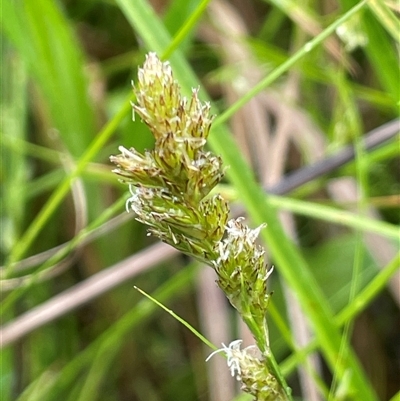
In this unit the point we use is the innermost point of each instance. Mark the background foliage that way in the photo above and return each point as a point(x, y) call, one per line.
point(291, 83)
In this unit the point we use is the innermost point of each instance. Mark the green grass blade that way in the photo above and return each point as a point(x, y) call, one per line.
point(387, 18)
point(108, 344)
point(58, 195)
point(336, 216)
point(40, 32)
point(381, 52)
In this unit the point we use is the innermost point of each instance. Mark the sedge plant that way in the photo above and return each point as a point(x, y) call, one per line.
point(171, 193)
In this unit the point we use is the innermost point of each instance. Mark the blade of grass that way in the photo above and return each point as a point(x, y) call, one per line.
point(110, 342)
point(362, 300)
point(335, 216)
point(32, 279)
point(107, 352)
point(282, 68)
point(178, 318)
point(381, 53)
point(396, 397)
point(186, 28)
point(387, 18)
point(58, 195)
point(60, 72)
point(352, 124)
point(271, 55)
point(14, 80)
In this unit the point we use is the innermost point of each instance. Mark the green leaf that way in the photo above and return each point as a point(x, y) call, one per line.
point(42, 36)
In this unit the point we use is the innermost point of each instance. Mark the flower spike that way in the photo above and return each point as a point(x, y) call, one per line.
point(170, 190)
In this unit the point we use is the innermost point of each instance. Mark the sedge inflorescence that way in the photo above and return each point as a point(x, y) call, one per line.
point(170, 184)
point(252, 372)
point(170, 192)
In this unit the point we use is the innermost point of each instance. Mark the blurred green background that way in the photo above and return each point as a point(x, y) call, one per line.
point(73, 327)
